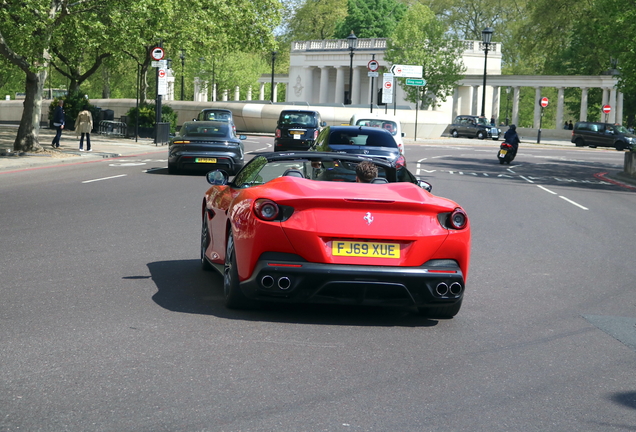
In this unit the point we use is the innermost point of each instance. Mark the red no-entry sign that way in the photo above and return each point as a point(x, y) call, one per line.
point(607, 109)
point(544, 102)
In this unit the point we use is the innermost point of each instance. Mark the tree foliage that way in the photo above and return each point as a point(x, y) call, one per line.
point(370, 18)
point(316, 19)
point(422, 39)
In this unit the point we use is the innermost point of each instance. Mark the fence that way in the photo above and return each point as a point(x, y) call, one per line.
point(111, 127)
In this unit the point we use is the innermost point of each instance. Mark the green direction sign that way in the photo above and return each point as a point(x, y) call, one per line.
point(415, 81)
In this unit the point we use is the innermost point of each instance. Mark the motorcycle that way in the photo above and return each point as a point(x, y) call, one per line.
point(506, 153)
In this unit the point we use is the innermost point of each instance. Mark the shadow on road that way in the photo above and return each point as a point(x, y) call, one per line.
point(183, 287)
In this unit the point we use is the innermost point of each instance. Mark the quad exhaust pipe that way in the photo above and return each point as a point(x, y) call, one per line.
point(283, 283)
point(443, 289)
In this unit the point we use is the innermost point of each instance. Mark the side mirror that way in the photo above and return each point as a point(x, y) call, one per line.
point(242, 137)
point(403, 134)
point(425, 185)
point(194, 119)
point(217, 178)
point(323, 124)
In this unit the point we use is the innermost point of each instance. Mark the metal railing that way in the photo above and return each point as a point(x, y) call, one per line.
point(111, 127)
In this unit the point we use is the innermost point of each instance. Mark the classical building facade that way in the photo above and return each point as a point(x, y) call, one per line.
point(319, 74)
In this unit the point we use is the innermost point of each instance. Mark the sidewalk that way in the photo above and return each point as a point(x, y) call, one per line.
point(103, 146)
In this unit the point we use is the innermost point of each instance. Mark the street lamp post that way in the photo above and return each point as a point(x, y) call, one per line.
point(182, 57)
point(271, 98)
point(486, 37)
point(353, 42)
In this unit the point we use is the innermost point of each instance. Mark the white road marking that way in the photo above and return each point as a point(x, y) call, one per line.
point(526, 179)
point(572, 202)
point(105, 178)
point(438, 157)
point(127, 164)
point(547, 190)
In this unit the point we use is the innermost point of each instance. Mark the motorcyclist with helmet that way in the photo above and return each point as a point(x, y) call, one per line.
point(512, 138)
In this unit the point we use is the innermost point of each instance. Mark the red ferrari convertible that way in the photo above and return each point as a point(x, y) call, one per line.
point(297, 227)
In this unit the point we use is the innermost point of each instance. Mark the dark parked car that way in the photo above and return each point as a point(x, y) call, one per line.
point(362, 140)
point(595, 134)
point(297, 129)
point(473, 126)
point(206, 145)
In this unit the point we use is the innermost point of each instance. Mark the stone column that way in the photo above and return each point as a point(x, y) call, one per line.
point(495, 104)
point(237, 93)
point(619, 107)
point(559, 112)
point(612, 103)
point(355, 91)
point(214, 92)
point(583, 115)
point(261, 92)
point(605, 96)
point(455, 111)
point(275, 98)
point(324, 85)
point(474, 110)
point(225, 95)
point(309, 84)
point(249, 93)
point(515, 106)
point(340, 85)
point(537, 107)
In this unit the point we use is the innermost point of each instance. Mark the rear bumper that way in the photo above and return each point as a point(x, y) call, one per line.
point(283, 144)
point(188, 161)
point(296, 281)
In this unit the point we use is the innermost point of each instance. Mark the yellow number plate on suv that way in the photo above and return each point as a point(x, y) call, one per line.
point(365, 249)
point(205, 160)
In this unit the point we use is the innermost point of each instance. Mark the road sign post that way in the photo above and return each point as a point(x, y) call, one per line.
point(407, 71)
point(606, 110)
point(373, 73)
point(544, 103)
point(387, 88)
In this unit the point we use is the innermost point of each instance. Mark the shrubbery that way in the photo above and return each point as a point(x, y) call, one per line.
point(147, 116)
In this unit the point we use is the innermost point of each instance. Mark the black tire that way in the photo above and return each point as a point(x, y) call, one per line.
point(620, 145)
point(234, 297)
point(496, 139)
point(205, 242)
point(454, 133)
point(481, 135)
point(501, 161)
point(172, 168)
point(579, 142)
point(443, 312)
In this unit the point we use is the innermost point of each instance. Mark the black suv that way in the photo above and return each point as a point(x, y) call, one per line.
point(297, 129)
point(473, 126)
point(366, 141)
point(595, 134)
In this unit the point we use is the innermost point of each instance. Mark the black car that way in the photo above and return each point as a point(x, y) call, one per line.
point(297, 129)
point(206, 145)
point(595, 134)
point(367, 141)
point(216, 114)
point(473, 127)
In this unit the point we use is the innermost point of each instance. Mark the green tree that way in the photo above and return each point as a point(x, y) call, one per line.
point(421, 39)
point(370, 18)
point(316, 19)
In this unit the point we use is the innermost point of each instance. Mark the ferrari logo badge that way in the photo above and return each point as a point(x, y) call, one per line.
point(368, 218)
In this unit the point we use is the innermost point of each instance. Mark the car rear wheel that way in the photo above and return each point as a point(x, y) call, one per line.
point(454, 133)
point(619, 145)
point(579, 142)
point(441, 311)
point(172, 168)
point(481, 135)
point(205, 242)
point(234, 297)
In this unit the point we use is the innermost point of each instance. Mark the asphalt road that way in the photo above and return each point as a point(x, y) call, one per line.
point(107, 322)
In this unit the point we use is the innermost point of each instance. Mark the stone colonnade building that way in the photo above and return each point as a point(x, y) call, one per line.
point(319, 75)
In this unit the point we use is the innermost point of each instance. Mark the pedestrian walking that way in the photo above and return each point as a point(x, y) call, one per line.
point(84, 126)
point(58, 123)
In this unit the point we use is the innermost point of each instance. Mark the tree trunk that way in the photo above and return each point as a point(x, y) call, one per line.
point(143, 91)
point(27, 138)
point(106, 82)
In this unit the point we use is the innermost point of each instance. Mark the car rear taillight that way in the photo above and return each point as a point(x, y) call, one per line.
point(315, 134)
point(458, 219)
point(400, 162)
point(266, 209)
point(277, 133)
point(180, 142)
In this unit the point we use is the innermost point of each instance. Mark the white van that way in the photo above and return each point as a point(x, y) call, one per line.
point(385, 121)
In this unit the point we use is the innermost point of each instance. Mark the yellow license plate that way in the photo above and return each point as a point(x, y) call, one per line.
point(365, 249)
point(205, 160)
point(503, 152)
